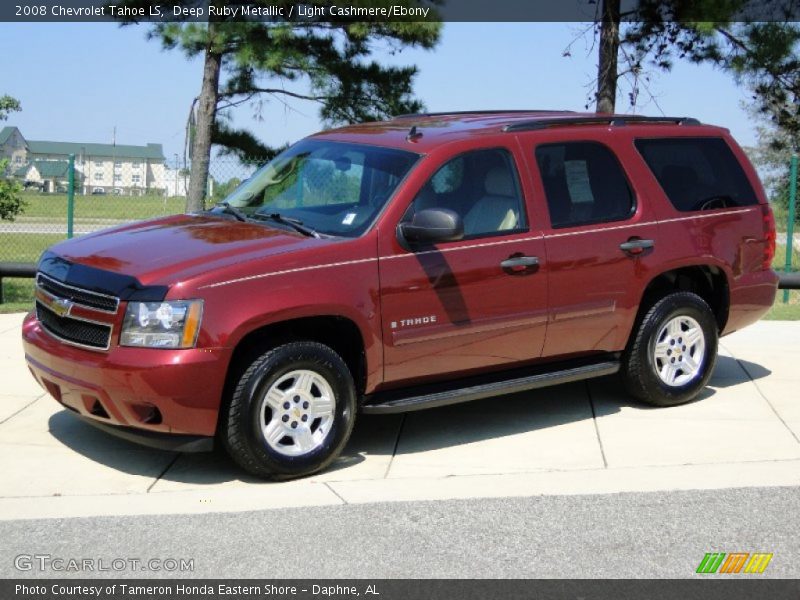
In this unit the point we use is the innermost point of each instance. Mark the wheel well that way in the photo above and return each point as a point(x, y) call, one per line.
point(706, 281)
point(338, 333)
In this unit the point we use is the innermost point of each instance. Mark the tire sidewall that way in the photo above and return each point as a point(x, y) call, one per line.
point(293, 357)
point(687, 305)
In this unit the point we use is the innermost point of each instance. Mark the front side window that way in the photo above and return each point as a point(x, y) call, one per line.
point(584, 184)
point(334, 188)
point(697, 173)
point(482, 187)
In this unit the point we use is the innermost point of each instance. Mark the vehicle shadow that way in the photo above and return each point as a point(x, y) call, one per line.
point(380, 437)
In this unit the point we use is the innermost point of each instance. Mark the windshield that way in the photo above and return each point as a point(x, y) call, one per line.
point(332, 188)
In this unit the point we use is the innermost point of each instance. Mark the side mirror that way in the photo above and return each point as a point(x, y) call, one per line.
point(432, 225)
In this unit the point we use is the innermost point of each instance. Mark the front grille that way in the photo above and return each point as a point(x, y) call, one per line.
point(79, 296)
point(75, 331)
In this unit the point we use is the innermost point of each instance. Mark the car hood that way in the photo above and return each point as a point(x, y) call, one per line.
point(166, 250)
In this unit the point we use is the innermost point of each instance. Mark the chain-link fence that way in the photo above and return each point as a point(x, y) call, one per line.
point(107, 193)
point(115, 191)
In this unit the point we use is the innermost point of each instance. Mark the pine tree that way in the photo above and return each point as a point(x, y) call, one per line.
point(330, 63)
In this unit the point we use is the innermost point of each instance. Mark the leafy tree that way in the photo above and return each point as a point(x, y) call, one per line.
point(222, 190)
point(762, 55)
point(329, 63)
point(725, 33)
point(8, 105)
point(771, 156)
point(11, 203)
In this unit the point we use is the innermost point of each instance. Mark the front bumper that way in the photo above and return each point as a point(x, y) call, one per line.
point(157, 391)
point(174, 442)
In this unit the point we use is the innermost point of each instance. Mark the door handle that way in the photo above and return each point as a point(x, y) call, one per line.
point(518, 262)
point(636, 245)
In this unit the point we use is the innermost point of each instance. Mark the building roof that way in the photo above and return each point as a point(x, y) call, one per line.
point(5, 133)
point(48, 169)
point(150, 151)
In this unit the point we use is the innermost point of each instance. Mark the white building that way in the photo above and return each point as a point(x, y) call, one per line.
point(100, 168)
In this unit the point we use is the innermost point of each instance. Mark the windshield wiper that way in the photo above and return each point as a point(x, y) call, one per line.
point(295, 224)
point(229, 209)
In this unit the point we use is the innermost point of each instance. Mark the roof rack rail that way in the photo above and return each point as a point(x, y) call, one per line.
point(612, 120)
point(477, 112)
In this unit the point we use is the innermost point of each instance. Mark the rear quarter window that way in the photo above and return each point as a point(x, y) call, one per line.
point(697, 173)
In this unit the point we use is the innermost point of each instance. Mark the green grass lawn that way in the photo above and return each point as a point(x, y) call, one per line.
point(18, 295)
point(49, 212)
point(26, 247)
point(785, 312)
point(53, 207)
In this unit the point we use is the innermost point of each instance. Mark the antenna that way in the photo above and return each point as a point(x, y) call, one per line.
point(413, 135)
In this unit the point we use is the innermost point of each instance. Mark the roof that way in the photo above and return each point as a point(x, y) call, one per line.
point(430, 130)
point(5, 133)
point(48, 169)
point(150, 151)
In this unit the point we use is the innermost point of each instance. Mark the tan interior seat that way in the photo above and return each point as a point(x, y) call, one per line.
point(498, 210)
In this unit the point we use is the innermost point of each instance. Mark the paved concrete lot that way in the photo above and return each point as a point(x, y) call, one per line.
point(584, 438)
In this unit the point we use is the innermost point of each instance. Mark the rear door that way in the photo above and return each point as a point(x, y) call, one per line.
point(460, 307)
point(602, 240)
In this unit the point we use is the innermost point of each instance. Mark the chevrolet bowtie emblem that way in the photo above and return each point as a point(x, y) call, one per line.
point(61, 306)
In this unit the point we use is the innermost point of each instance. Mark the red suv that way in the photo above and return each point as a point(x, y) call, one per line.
point(395, 266)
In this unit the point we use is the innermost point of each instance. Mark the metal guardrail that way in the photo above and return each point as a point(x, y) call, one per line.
point(15, 269)
point(789, 281)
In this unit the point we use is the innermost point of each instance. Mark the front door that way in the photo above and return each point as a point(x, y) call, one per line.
point(471, 305)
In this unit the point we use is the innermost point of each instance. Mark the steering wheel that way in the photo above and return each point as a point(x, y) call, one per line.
point(712, 203)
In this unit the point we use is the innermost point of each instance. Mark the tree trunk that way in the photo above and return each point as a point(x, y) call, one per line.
point(607, 63)
point(206, 113)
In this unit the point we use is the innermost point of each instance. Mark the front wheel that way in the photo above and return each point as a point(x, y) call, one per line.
point(291, 412)
point(673, 352)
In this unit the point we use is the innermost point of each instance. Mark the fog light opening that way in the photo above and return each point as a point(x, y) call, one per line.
point(98, 411)
point(53, 389)
point(148, 414)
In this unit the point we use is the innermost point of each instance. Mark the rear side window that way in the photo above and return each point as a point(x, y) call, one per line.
point(584, 183)
point(697, 173)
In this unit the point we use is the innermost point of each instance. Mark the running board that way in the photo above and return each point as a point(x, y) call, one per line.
point(487, 390)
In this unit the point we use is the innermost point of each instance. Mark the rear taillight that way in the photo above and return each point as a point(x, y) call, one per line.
point(769, 236)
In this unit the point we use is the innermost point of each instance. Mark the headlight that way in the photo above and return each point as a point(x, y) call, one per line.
point(168, 324)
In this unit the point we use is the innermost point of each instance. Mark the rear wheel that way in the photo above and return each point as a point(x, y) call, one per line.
point(291, 412)
point(673, 352)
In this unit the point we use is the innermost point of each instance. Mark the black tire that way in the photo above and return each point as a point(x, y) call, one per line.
point(639, 369)
point(241, 430)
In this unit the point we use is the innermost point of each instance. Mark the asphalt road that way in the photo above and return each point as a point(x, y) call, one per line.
point(641, 535)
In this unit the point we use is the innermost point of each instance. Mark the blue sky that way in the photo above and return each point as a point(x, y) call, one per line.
point(77, 81)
